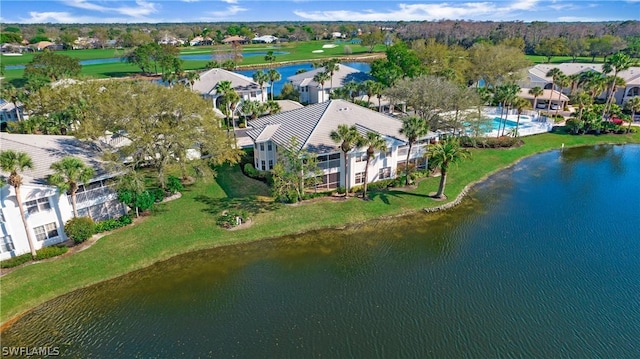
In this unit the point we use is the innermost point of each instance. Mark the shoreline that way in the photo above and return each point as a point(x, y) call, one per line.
point(400, 211)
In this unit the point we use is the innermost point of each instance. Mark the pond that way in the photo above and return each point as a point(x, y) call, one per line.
point(290, 70)
point(542, 260)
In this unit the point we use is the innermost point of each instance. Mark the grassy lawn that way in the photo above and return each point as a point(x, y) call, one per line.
point(295, 52)
point(188, 224)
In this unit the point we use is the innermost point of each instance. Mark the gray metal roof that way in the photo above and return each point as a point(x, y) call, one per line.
point(208, 80)
point(313, 124)
point(342, 76)
point(44, 150)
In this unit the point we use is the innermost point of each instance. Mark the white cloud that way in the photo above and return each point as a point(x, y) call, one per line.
point(229, 11)
point(230, 1)
point(63, 17)
point(142, 8)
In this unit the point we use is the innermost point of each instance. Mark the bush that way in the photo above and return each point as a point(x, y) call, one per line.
point(490, 142)
point(111, 224)
point(250, 171)
point(341, 190)
point(15, 261)
point(382, 184)
point(156, 193)
point(80, 229)
point(228, 219)
point(174, 185)
point(50, 252)
point(43, 253)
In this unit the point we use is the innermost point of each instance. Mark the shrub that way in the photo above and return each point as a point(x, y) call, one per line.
point(111, 224)
point(229, 218)
point(250, 171)
point(50, 252)
point(341, 190)
point(382, 184)
point(15, 261)
point(80, 229)
point(174, 185)
point(156, 193)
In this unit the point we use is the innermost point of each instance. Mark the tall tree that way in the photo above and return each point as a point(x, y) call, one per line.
point(321, 78)
point(520, 105)
point(229, 99)
point(14, 163)
point(261, 77)
point(14, 95)
point(615, 63)
point(633, 105)
point(536, 92)
point(555, 73)
point(274, 76)
point(68, 174)
point(373, 141)
point(348, 138)
point(413, 128)
point(53, 66)
point(443, 154)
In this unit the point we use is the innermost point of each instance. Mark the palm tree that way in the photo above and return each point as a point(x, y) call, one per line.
point(321, 77)
point(412, 128)
point(581, 99)
point(15, 162)
point(633, 105)
point(347, 137)
point(270, 57)
point(442, 155)
point(520, 104)
point(367, 87)
point(273, 77)
point(615, 63)
point(554, 73)
point(261, 78)
point(511, 95)
point(373, 141)
point(616, 82)
point(536, 92)
point(192, 77)
point(377, 88)
point(331, 67)
point(68, 174)
point(563, 81)
point(352, 87)
point(229, 97)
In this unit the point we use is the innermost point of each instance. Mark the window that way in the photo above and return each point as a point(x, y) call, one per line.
point(388, 154)
point(361, 157)
point(384, 173)
point(270, 164)
point(37, 205)
point(269, 146)
point(263, 166)
point(262, 147)
point(1, 216)
point(6, 244)
point(360, 178)
point(45, 232)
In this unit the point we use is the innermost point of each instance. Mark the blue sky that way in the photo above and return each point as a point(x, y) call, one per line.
point(153, 11)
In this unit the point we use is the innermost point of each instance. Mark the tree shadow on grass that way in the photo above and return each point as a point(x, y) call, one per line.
point(252, 205)
point(385, 194)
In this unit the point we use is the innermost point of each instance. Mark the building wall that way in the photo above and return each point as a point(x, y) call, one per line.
point(52, 209)
point(264, 155)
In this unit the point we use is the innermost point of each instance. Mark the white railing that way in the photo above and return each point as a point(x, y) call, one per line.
point(94, 194)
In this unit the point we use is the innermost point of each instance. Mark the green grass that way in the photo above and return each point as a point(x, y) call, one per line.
point(188, 224)
point(296, 52)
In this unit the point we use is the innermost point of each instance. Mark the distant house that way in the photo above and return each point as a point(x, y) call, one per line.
point(235, 39)
point(47, 209)
point(201, 41)
point(247, 89)
point(312, 125)
point(48, 45)
point(313, 92)
point(537, 76)
point(264, 39)
point(170, 40)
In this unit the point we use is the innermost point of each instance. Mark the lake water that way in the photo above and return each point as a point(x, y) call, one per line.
point(290, 70)
point(540, 261)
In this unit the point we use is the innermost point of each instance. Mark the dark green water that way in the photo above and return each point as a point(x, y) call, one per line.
point(541, 261)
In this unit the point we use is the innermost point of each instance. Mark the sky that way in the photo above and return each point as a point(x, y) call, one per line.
point(181, 11)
